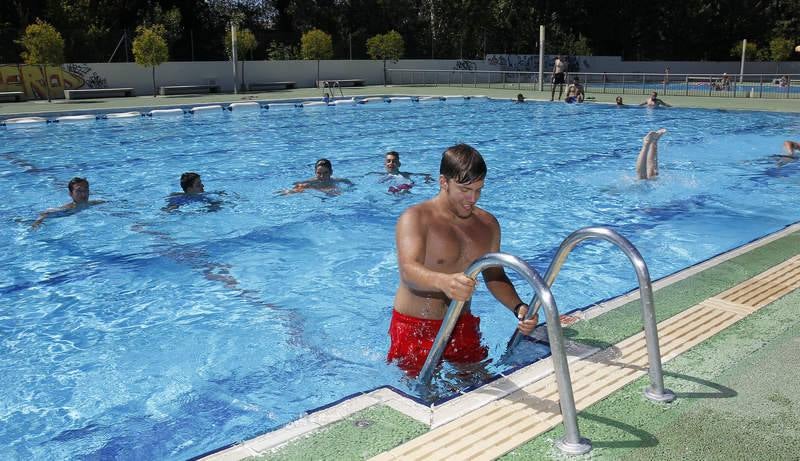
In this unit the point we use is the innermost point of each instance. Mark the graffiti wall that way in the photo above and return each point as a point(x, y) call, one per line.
point(34, 80)
point(529, 62)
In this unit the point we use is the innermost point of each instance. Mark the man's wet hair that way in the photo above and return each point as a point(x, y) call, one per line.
point(392, 152)
point(75, 181)
point(188, 179)
point(463, 163)
point(323, 162)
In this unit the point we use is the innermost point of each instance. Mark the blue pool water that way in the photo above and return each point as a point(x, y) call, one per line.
point(129, 332)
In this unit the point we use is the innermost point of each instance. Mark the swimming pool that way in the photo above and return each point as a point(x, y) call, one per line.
point(135, 333)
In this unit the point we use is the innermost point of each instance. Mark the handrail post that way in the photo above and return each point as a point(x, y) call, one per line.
point(656, 390)
point(572, 443)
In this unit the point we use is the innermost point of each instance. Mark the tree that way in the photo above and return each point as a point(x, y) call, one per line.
point(281, 52)
point(44, 46)
point(386, 46)
point(150, 48)
point(316, 44)
point(245, 43)
point(780, 49)
point(750, 53)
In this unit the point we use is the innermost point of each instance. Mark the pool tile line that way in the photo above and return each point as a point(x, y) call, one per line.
point(438, 415)
point(506, 424)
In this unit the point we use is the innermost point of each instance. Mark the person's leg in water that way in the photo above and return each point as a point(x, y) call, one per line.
point(647, 161)
point(652, 156)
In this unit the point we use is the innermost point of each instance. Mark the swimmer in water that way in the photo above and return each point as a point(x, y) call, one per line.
point(647, 161)
point(392, 164)
point(322, 181)
point(79, 192)
point(193, 192)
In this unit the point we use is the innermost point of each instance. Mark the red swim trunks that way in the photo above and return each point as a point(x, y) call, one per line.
point(412, 339)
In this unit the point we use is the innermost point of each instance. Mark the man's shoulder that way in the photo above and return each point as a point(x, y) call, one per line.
point(486, 218)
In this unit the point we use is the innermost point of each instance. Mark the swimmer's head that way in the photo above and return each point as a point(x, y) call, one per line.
point(520, 98)
point(191, 183)
point(463, 164)
point(619, 100)
point(78, 189)
point(323, 169)
point(392, 162)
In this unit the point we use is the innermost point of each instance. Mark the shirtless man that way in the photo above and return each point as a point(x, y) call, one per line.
point(436, 241)
point(558, 77)
point(647, 161)
point(654, 101)
point(575, 91)
point(79, 192)
point(322, 181)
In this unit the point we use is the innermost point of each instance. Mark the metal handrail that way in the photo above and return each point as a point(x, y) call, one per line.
point(572, 442)
point(656, 391)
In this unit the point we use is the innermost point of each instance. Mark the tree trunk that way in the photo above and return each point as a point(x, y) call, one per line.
point(154, 81)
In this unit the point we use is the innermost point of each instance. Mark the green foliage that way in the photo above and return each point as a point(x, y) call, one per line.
point(780, 49)
point(281, 52)
point(43, 44)
point(386, 46)
point(170, 20)
point(149, 46)
point(316, 44)
point(245, 43)
point(750, 53)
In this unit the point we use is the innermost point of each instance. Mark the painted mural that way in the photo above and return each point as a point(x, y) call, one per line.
point(528, 62)
point(30, 79)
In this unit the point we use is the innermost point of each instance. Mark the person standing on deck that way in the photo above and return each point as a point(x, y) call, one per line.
point(558, 77)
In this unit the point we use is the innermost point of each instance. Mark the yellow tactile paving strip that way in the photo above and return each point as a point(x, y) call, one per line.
point(505, 424)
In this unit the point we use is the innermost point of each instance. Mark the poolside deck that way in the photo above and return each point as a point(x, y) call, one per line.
point(8, 109)
point(729, 331)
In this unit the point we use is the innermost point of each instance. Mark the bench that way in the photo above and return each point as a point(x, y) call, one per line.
point(187, 89)
point(12, 96)
point(341, 83)
point(89, 93)
point(266, 86)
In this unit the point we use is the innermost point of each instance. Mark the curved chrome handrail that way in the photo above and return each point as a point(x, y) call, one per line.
point(656, 391)
point(572, 443)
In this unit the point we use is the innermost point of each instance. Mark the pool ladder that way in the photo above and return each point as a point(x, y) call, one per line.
point(572, 443)
point(331, 85)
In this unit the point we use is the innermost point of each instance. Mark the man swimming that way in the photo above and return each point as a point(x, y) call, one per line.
point(322, 181)
point(654, 101)
point(193, 192)
point(79, 192)
point(392, 165)
point(436, 241)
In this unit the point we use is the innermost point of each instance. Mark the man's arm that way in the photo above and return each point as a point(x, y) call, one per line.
point(42, 216)
point(410, 236)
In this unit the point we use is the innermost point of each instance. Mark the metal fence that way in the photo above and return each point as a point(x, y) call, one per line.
point(721, 85)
